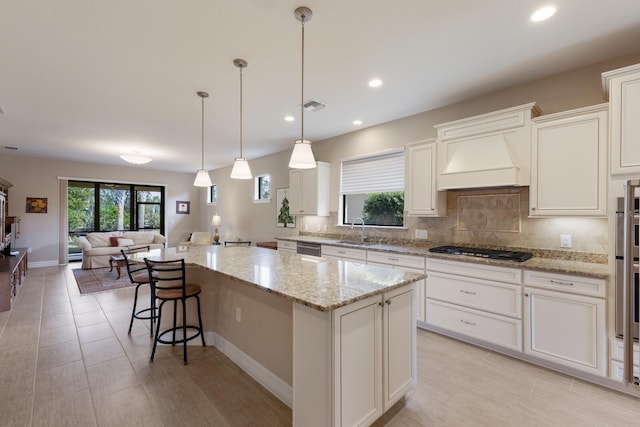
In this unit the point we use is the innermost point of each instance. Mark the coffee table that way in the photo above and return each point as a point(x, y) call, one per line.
point(118, 262)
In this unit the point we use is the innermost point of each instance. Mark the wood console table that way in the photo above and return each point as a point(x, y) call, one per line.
point(12, 270)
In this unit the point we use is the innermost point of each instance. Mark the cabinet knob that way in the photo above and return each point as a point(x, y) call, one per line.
point(526, 295)
point(388, 302)
point(533, 208)
point(380, 304)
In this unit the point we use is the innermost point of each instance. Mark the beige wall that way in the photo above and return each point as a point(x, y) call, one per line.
point(243, 219)
point(38, 177)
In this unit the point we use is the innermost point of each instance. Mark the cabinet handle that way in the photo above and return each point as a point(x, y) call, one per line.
point(559, 282)
point(467, 292)
point(388, 302)
point(393, 259)
point(467, 322)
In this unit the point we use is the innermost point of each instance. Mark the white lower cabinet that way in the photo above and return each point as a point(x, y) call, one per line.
point(616, 363)
point(565, 328)
point(480, 301)
point(287, 246)
point(365, 363)
point(339, 252)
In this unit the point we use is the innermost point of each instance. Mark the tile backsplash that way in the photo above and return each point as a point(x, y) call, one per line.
point(492, 216)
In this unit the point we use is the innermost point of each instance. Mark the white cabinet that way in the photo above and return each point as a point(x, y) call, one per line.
point(338, 252)
point(421, 197)
point(411, 263)
point(476, 300)
point(309, 190)
point(360, 361)
point(569, 163)
point(565, 326)
point(287, 246)
point(616, 362)
point(622, 89)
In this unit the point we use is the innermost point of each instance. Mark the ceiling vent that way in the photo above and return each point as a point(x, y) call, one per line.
point(313, 105)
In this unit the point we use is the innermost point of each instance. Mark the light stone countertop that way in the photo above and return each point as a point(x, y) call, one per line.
point(549, 264)
point(319, 283)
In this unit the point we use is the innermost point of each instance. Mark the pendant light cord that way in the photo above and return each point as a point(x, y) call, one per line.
point(302, 87)
point(202, 133)
point(241, 112)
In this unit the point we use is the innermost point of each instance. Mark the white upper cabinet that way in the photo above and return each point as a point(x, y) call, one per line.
point(421, 196)
point(489, 150)
point(569, 163)
point(622, 89)
point(309, 190)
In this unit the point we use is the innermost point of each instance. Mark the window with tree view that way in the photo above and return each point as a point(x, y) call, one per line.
point(372, 188)
point(100, 206)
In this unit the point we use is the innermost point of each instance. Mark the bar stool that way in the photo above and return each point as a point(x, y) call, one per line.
point(139, 275)
point(170, 285)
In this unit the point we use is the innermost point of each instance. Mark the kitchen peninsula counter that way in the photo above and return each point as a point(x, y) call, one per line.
point(315, 282)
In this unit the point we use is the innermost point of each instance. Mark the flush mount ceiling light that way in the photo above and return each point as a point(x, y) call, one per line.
point(302, 155)
point(357, 122)
point(289, 118)
point(543, 13)
point(202, 176)
point(375, 83)
point(135, 158)
point(241, 168)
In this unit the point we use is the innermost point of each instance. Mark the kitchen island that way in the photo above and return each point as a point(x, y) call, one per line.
point(333, 339)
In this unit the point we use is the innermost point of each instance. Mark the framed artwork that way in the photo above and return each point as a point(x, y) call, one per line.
point(283, 217)
point(36, 205)
point(182, 207)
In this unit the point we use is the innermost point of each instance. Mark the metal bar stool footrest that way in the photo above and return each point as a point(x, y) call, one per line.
point(179, 329)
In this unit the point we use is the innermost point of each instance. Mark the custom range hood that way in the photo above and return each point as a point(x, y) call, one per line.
point(490, 150)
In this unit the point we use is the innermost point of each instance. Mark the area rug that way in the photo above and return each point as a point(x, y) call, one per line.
point(100, 280)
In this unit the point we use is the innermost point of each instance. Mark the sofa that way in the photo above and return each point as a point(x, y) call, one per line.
point(99, 246)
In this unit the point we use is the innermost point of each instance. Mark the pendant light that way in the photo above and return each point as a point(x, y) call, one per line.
point(202, 177)
point(241, 168)
point(302, 155)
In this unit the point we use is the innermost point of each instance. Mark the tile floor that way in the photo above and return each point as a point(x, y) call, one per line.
point(66, 360)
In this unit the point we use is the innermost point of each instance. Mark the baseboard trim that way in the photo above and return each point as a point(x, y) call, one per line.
point(262, 375)
point(41, 264)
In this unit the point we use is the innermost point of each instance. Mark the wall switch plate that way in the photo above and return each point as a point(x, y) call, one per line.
point(565, 240)
point(238, 314)
point(421, 234)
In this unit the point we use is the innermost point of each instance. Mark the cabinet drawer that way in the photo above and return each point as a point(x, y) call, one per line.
point(616, 370)
point(410, 261)
point(499, 298)
point(284, 245)
point(616, 351)
point(499, 330)
point(566, 283)
point(347, 253)
point(480, 271)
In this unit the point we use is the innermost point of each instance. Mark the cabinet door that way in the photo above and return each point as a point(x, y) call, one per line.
point(421, 196)
point(309, 191)
point(399, 334)
point(566, 329)
point(358, 365)
point(569, 165)
point(295, 191)
point(624, 100)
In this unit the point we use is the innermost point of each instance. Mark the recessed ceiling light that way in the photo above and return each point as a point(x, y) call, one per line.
point(375, 83)
point(289, 118)
point(543, 13)
point(357, 122)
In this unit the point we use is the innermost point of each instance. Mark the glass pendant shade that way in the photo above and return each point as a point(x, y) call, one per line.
point(302, 156)
point(202, 179)
point(241, 169)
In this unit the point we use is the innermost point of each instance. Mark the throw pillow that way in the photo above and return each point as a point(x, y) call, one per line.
point(125, 242)
point(114, 241)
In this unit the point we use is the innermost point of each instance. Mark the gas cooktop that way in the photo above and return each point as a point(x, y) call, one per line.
point(483, 253)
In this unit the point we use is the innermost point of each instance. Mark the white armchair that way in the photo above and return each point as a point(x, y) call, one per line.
point(201, 238)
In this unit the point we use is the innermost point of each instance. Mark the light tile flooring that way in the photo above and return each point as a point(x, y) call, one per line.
point(66, 360)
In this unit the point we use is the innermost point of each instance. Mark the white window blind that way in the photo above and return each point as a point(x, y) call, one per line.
point(374, 174)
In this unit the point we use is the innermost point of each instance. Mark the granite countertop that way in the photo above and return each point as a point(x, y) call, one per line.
point(316, 282)
point(550, 261)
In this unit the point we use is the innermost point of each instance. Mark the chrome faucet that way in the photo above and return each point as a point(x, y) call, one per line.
point(363, 238)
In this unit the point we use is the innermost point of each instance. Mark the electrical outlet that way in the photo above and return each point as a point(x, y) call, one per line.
point(238, 314)
point(565, 240)
point(421, 234)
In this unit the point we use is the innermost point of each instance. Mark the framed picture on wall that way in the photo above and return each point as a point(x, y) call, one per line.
point(283, 217)
point(182, 207)
point(36, 205)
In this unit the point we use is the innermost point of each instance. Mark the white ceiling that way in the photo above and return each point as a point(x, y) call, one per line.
point(89, 80)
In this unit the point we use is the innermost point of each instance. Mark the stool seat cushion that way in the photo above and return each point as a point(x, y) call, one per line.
point(190, 291)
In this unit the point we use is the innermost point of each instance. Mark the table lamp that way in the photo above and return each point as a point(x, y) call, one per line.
point(215, 223)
